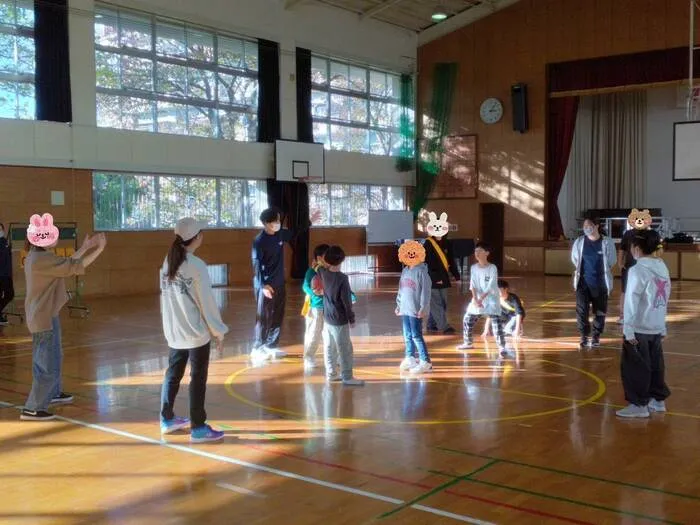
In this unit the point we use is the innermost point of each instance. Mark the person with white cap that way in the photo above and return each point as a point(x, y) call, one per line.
point(190, 318)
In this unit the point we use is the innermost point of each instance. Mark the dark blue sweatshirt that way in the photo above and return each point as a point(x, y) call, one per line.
point(5, 259)
point(268, 258)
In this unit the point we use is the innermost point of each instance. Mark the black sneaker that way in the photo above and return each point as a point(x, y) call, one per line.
point(62, 399)
point(595, 341)
point(449, 331)
point(3, 320)
point(36, 415)
point(584, 343)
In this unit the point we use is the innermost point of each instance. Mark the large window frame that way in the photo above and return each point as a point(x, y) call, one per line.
point(17, 72)
point(377, 110)
point(162, 49)
point(149, 202)
point(345, 197)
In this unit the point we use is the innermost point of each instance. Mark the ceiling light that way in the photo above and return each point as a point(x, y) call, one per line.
point(439, 14)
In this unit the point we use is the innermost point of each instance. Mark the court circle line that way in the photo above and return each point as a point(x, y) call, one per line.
point(228, 383)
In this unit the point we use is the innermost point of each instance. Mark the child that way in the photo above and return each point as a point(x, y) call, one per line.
point(485, 299)
point(7, 291)
point(190, 318)
point(413, 305)
point(512, 312)
point(313, 308)
point(46, 295)
point(646, 301)
point(338, 318)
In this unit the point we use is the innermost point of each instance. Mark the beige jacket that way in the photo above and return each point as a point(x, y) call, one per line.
point(46, 289)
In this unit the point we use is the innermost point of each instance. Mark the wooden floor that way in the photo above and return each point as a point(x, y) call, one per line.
point(530, 440)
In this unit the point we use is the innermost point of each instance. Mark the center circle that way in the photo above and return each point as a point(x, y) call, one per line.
point(529, 415)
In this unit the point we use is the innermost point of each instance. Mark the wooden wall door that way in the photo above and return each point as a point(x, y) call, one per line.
point(492, 230)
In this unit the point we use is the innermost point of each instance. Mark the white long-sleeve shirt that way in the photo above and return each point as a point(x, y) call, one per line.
point(484, 280)
point(646, 298)
point(188, 308)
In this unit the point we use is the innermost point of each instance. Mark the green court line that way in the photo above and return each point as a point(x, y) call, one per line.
point(439, 488)
point(572, 474)
point(558, 498)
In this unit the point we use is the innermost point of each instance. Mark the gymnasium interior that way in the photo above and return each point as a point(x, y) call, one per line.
point(515, 118)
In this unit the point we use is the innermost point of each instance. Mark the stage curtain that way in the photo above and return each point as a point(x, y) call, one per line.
point(52, 73)
point(407, 147)
point(269, 126)
point(305, 125)
point(561, 127)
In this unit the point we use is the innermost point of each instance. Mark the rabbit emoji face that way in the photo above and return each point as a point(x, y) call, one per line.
point(41, 231)
point(437, 227)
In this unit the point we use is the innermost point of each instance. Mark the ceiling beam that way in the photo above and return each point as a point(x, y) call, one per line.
point(373, 11)
point(466, 17)
point(291, 4)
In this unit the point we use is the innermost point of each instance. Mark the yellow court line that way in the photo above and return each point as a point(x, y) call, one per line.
point(598, 394)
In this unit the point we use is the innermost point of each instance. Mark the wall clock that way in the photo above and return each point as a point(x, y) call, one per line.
point(491, 110)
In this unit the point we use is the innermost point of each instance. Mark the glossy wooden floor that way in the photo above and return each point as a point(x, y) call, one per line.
point(529, 440)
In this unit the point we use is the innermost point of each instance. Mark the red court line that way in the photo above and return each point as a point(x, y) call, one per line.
point(424, 486)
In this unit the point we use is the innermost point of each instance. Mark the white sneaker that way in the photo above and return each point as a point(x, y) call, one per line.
point(259, 355)
point(333, 378)
point(353, 382)
point(466, 346)
point(310, 363)
point(408, 363)
point(633, 411)
point(274, 353)
point(422, 367)
point(656, 406)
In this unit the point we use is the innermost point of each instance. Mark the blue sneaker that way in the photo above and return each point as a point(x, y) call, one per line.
point(205, 434)
point(173, 425)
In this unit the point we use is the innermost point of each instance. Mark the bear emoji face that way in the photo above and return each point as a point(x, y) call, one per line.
point(411, 253)
point(437, 227)
point(639, 220)
point(41, 231)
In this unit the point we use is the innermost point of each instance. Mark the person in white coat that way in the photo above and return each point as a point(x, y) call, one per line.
point(646, 302)
point(190, 319)
point(593, 256)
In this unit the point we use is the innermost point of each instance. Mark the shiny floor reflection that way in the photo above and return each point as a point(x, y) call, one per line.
point(527, 439)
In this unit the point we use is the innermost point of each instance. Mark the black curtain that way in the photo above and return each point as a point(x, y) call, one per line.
point(305, 126)
point(53, 96)
point(292, 198)
point(269, 129)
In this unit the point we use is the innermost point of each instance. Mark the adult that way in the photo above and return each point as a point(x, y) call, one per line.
point(441, 266)
point(268, 282)
point(7, 291)
point(593, 255)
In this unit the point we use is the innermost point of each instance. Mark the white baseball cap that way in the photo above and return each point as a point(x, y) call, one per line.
point(188, 228)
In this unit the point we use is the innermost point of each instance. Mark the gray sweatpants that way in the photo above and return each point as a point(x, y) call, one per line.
point(337, 346)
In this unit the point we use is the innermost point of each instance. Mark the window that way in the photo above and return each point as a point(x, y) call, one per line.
point(17, 59)
point(125, 201)
point(349, 204)
point(355, 108)
point(167, 77)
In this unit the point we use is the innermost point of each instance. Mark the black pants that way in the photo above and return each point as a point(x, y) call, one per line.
point(586, 297)
point(7, 292)
point(642, 369)
point(269, 316)
point(199, 370)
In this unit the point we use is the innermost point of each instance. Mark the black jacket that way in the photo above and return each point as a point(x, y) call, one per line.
point(5, 258)
point(437, 271)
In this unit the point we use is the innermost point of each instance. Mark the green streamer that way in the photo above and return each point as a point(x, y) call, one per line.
point(406, 158)
point(444, 79)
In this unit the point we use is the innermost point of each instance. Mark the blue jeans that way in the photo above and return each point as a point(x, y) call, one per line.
point(413, 335)
point(47, 358)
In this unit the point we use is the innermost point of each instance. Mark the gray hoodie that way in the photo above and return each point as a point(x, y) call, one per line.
point(414, 291)
point(646, 298)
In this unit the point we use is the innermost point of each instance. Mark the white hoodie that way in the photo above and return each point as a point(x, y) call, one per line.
point(190, 313)
point(646, 298)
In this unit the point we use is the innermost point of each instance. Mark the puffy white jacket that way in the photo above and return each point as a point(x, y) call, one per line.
point(609, 259)
point(646, 298)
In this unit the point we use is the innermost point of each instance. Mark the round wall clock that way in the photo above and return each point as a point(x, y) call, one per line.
point(491, 110)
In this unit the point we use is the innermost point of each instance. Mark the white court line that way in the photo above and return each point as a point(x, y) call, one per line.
point(240, 490)
point(270, 470)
